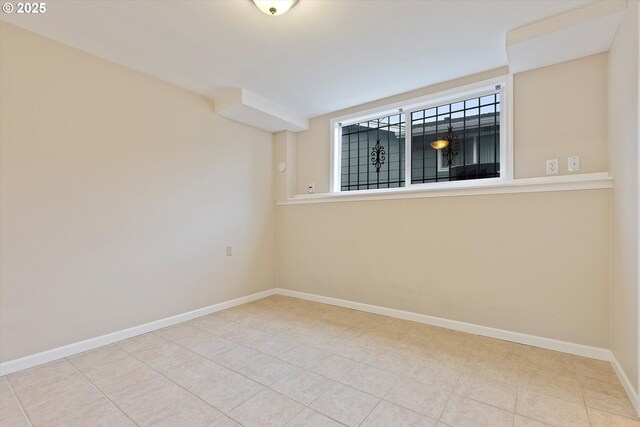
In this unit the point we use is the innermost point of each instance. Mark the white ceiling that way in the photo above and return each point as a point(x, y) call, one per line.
point(322, 56)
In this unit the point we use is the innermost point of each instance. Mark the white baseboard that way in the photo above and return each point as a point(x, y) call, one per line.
point(633, 395)
point(532, 340)
point(78, 347)
point(548, 343)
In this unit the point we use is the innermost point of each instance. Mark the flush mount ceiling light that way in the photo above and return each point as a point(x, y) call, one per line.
point(275, 7)
point(439, 144)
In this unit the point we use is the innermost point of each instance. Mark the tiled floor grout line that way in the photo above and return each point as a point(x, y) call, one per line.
point(234, 371)
point(40, 381)
point(450, 392)
point(15, 396)
point(380, 399)
point(369, 413)
point(292, 417)
point(172, 381)
point(519, 387)
point(277, 356)
point(448, 399)
point(269, 387)
point(338, 332)
point(265, 385)
point(613, 413)
point(515, 407)
point(325, 415)
point(101, 392)
point(225, 367)
point(345, 357)
point(318, 397)
point(584, 401)
point(484, 403)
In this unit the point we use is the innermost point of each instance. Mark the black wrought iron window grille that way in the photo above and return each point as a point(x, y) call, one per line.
point(373, 154)
point(475, 125)
point(373, 151)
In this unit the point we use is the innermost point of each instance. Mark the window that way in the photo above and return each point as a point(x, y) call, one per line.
point(475, 149)
point(373, 154)
point(375, 151)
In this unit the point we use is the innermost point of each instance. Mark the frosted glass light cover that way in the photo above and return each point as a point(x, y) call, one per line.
point(275, 7)
point(439, 144)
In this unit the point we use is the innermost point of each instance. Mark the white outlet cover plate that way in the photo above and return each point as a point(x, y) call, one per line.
point(573, 163)
point(552, 166)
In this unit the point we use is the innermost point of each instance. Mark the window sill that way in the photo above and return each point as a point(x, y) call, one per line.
point(589, 181)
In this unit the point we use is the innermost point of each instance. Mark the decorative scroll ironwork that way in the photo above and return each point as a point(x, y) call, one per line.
point(378, 156)
point(476, 121)
point(453, 148)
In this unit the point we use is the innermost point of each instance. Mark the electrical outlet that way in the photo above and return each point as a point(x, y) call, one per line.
point(229, 251)
point(312, 188)
point(573, 163)
point(552, 166)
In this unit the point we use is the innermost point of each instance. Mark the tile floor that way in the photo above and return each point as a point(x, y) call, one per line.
point(286, 362)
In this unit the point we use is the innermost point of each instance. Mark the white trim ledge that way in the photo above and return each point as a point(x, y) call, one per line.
point(71, 349)
point(590, 181)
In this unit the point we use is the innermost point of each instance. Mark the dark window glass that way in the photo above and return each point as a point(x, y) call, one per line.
point(474, 147)
point(366, 165)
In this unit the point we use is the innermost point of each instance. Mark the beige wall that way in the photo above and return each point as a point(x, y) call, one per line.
point(624, 169)
point(559, 111)
point(119, 194)
point(118, 198)
point(536, 263)
point(284, 150)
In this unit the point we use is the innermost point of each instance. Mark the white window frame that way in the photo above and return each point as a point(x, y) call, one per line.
point(407, 107)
